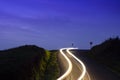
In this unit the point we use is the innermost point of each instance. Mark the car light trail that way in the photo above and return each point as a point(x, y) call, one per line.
point(84, 72)
point(69, 68)
point(83, 66)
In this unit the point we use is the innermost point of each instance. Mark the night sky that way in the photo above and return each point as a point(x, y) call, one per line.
point(53, 24)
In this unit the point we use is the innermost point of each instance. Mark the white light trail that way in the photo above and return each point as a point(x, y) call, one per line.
point(83, 66)
point(70, 64)
point(69, 68)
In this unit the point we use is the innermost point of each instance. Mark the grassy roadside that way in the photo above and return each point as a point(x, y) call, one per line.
point(52, 69)
point(107, 53)
point(48, 69)
point(28, 62)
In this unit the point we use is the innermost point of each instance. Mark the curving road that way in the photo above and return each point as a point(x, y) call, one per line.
point(96, 70)
point(72, 67)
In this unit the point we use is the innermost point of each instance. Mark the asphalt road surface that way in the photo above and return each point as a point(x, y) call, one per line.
point(96, 70)
point(76, 68)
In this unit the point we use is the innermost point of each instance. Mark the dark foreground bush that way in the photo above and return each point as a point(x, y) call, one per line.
point(26, 63)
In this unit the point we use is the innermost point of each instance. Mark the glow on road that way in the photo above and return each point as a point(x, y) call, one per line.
point(69, 68)
point(83, 66)
point(70, 64)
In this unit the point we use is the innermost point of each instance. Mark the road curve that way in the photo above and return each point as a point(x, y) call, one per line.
point(69, 64)
point(80, 62)
point(76, 69)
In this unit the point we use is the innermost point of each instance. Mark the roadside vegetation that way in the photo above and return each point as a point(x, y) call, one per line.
point(52, 70)
point(108, 53)
point(28, 62)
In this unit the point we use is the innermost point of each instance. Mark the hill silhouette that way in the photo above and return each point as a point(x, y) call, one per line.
point(108, 53)
point(27, 62)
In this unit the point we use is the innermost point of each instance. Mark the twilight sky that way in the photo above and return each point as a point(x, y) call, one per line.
point(53, 24)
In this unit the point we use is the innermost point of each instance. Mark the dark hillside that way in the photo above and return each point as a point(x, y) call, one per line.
point(22, 63)
point(108, 53)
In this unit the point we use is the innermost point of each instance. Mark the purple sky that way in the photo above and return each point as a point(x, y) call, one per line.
point(53, 24)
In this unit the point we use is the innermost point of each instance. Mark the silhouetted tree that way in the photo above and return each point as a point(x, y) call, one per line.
point(91, 43)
